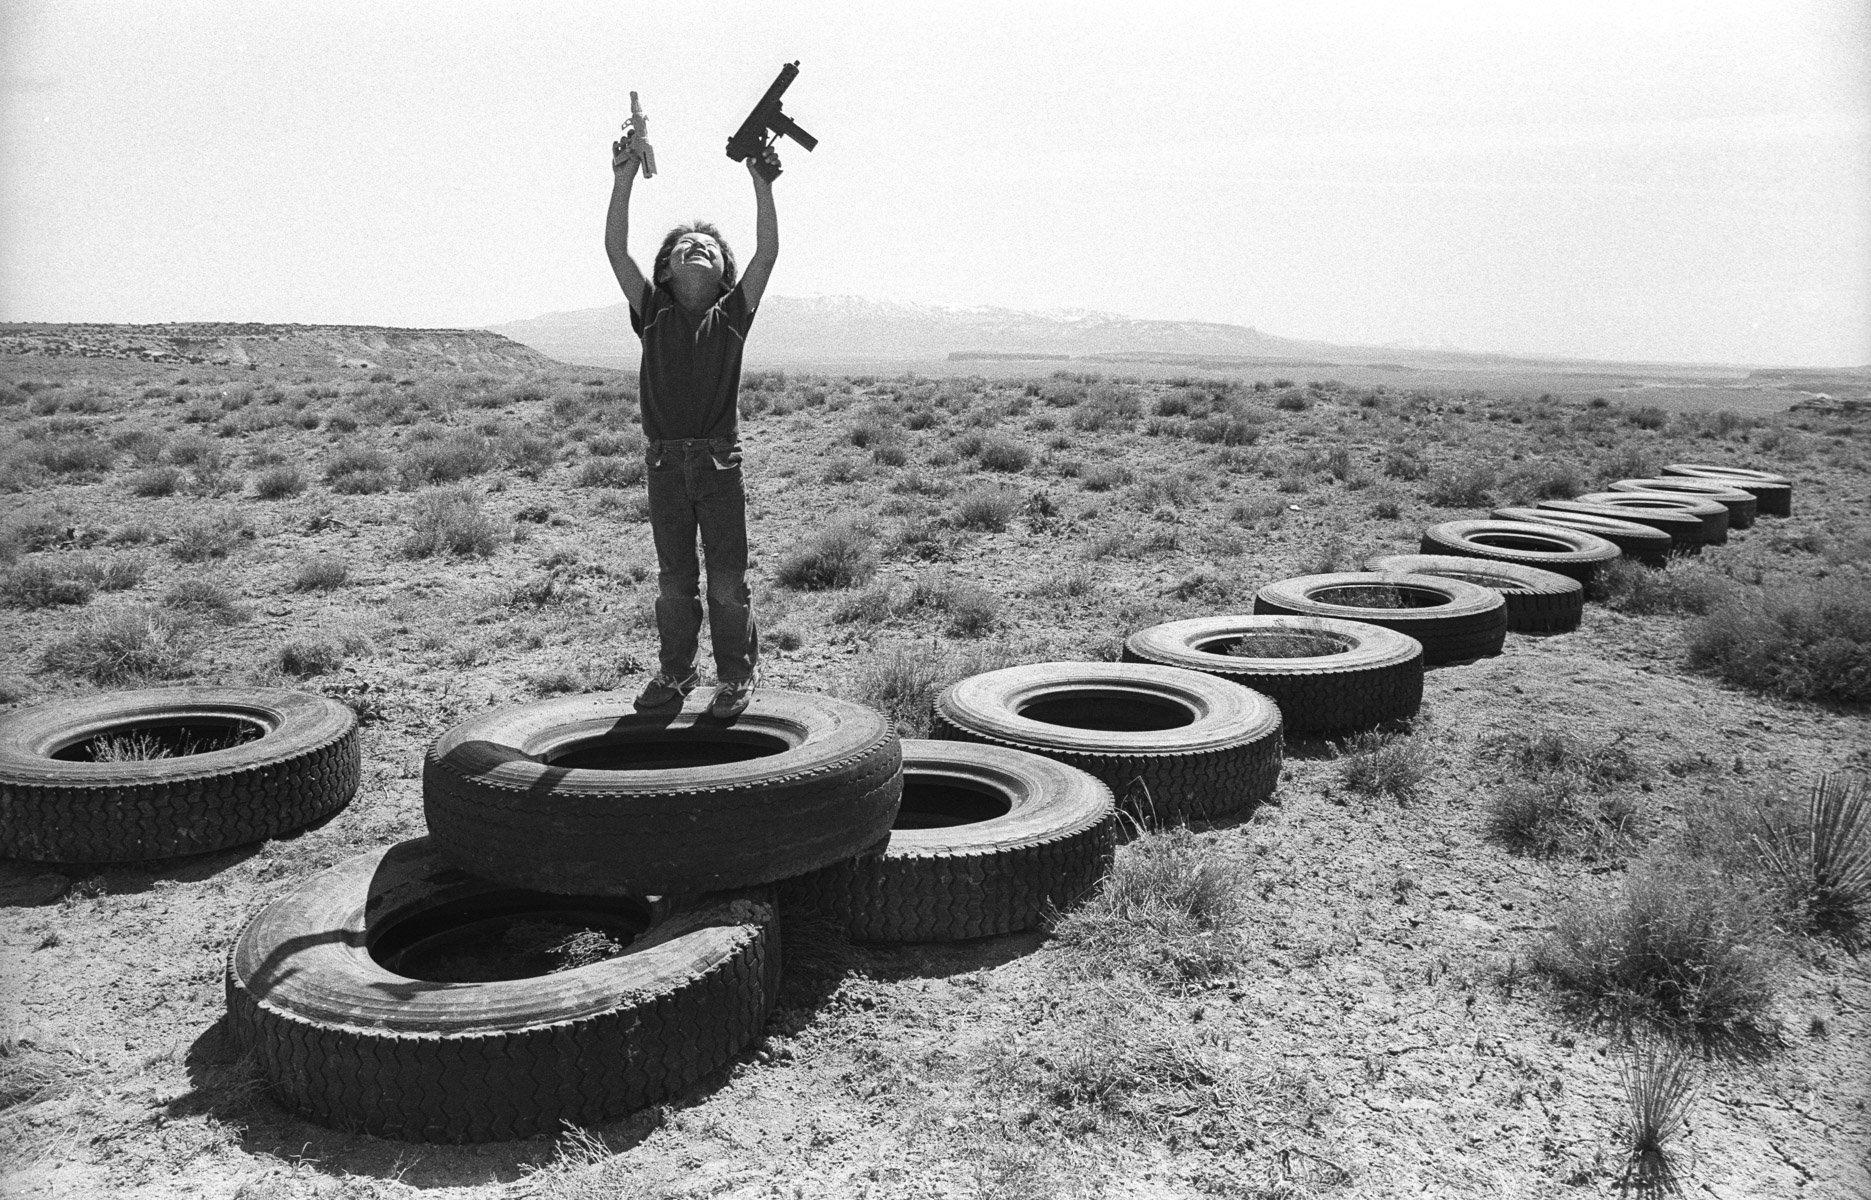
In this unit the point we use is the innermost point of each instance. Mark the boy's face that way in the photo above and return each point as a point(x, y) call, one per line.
point(698, 257)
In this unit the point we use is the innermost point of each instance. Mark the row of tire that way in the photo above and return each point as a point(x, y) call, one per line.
point(390, 995)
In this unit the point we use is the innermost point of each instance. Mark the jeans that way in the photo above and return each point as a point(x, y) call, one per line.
point(695, 487)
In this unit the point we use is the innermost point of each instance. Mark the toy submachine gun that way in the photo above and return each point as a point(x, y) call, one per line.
point(637, 137)
point(751, 140)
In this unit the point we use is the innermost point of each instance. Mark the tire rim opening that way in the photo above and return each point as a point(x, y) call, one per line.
point(1520, 541)
point(938, 802)
point(1380, 595)
point(665, 750)
point(148, 741)
point(1278, 644)
point(507, 935)
point(1670, 505)
point(1113, 712)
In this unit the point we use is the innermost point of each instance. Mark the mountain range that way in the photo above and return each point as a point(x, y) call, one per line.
point(828, 329)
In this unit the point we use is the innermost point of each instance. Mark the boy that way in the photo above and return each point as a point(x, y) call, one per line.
point(692, 315)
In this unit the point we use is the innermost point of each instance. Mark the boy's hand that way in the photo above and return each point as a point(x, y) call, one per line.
point(625, 160)
point(770, 157)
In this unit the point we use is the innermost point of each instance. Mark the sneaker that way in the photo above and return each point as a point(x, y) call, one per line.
point(731, 698)
point(662, 691)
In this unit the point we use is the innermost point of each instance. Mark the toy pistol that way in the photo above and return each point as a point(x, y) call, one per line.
point(638, 137)
point(751, 140)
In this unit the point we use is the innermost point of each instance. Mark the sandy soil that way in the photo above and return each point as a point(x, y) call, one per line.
point(1380, 1033)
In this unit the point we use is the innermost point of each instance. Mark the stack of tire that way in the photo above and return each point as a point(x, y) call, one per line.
point(425, 991)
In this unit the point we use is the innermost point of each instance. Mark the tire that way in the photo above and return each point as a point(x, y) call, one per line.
point(351, 1043)
point(303, 766)
point(1218, 756)
point(990, 840)
point(1714, 517)
point(1641, 542)
point(1457, 621)
point(1360, 674)
point(1570, 552)
point(1683, 528)
point(1773, 492)
point(1538, 600)
point(1742, 506)
point(520, 795)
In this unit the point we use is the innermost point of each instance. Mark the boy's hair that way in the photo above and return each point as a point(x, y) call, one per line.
point(661, 269)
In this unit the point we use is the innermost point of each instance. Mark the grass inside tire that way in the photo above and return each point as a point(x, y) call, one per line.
point(1454, 621)
point(989, 840)
point(1173, 746)
point(1327, 676)
point(585, 795)
point(230, 766)
point(1538, 600)
point(351, 1043)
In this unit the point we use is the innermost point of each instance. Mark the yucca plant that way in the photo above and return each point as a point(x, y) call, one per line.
point(1823, 864)
point(1660, 1087)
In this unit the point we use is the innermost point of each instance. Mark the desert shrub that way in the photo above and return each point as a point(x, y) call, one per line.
point(1819, 859)
point(306, 658)
point(1405, 464)
point(1810, 642)
point(155, 481)
point(1107, 405)
point(1066, 584)
point(527, 453)
point(358, 470)
point(840, 555)
point(872, 606)
point(1172, 906)
point(902, 684)
point(1566, 790)
point(1102, 477)
point(873, 432)
point(1469, 487)
point(277, 483)
point(923, 539)
point(1545, 481)
point(204, 599)
point(450, 521)
point(1258, 512)
point(1292, 401)
point(1225, 430)
point(82, 458)
point(320, 574)
point(972, 609)
point(1209, 587)
point(845, 470)
point(1171, 490)
point(1001, 453)
point(213, 535)
point(1647, 417)
point(40, 585)
point(193, 451)
point(1676, 947)
point(1384, 764)
point(609, 472)
point(450, 459)
point(890, 455)
point(122, 646)
point(144, 446)
point(988, 509)
point(1680, 586)
point(1659, 1088)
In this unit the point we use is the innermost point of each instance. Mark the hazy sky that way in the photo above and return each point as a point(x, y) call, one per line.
point(1681, 181)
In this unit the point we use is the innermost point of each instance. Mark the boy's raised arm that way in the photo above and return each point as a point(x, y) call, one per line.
point(617, 226)
point(766, 232)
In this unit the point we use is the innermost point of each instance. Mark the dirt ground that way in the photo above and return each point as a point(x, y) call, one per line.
point(1379, 1031)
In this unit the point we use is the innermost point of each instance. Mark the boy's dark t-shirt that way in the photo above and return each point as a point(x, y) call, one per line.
point(691, 373)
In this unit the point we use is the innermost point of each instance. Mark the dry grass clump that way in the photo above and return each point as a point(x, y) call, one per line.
point(1680, 586)
point(214, 535)
point(1566, 791)
point(206, 600)
point(609, 472)
point(155, 481)
point(450, 521)
point(124, 645)
point(1810, 642)
point(359, 471)
point(840, 555)
point(1375, 763)
point(1820, 860)
point(1172, 907)
point(1104, 477)
point(1470, 487)
point(999, 452)
point(988, 509)
point(279, 482)
point(1677, 947)
point(321, 574)
point(904, 681)
point(308, 657)
point(68, 581)
point(448, 459)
